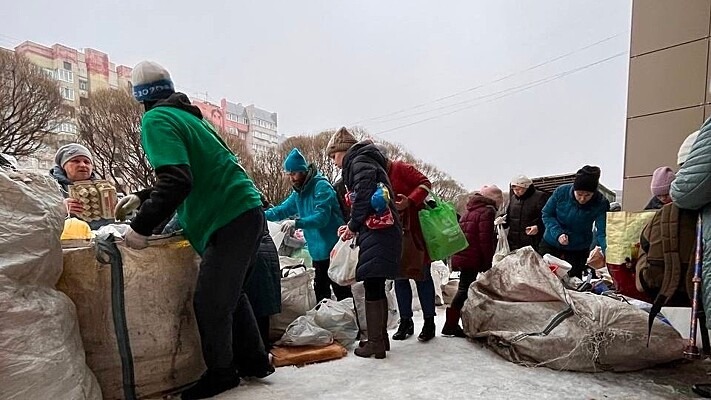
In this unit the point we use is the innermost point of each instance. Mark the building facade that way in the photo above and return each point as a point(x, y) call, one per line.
point(668, 95)
point(257, 127)
point(78, 73)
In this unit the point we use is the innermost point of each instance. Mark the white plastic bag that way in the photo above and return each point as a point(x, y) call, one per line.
point(344, 259)
point(562, 266)
point(305, 332)
point(276, 233)
point(440, 276)
point(337, 317)
point(359, 298)
point(502, 246)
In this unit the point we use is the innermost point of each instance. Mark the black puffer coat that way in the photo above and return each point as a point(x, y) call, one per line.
point(523, 212)
point(364, 166)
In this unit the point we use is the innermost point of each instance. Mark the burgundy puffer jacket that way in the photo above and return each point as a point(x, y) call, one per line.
point(478, 227)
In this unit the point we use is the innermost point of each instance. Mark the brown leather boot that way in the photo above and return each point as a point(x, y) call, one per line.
point(376, 342)
point(386, 313)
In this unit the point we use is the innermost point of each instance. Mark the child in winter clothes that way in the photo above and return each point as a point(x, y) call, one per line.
point(478, 226)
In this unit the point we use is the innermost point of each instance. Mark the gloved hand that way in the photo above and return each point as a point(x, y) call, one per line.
point(288, 225)
point(500, 220)
point(135, 240)
point(126, 206)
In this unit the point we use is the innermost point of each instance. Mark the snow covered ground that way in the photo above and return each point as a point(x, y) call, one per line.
point(452, 368)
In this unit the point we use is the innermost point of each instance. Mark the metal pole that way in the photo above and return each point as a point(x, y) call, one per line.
point(692, 351)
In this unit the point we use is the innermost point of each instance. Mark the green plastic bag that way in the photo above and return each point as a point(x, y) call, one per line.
point(440, 229)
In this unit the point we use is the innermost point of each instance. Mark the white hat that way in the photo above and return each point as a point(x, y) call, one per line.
point(686, 148)
point(522, 181)
point(151, 82)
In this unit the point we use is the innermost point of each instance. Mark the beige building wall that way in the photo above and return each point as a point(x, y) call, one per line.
point(668, 87)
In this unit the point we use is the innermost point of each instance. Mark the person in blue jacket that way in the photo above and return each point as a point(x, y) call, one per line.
point(569, 216)
point(313, 207)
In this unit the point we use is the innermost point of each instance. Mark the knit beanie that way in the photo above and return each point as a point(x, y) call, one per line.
point(69, 151)
point(295, 162)
point(494, 193)
point(522, 181)
point(342, 140)
point(662, 180)
point(587, 179)
point(686, 148)
point(151, 82)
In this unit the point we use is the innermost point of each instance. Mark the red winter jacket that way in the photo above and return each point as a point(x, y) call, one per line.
point(406, 180)
point(478, 227)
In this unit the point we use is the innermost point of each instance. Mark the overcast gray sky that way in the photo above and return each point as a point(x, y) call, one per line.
point(435, 66)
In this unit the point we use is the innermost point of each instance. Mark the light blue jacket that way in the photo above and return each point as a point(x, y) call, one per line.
point(563, 214)
point(317, 212)
point(691, 190)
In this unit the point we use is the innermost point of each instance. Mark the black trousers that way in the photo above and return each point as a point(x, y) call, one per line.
point(374, 289)
point(465, 280)
point(577, 258)
point(323, 284)
point(229, 334)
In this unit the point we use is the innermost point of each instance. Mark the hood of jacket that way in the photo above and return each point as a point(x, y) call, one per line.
point(478, 201)
point(365, 148)
point(180, 101)
point(60, 175)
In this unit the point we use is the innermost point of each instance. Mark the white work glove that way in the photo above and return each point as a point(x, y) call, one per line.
point(126, 206)
point(500, 220)
point(288, 225)
point(135, 240)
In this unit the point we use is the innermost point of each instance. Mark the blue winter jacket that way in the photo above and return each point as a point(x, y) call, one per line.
point(563, 214)
point(692, 190)
point(318, 213)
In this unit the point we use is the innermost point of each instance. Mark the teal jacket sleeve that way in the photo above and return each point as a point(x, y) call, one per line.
point(284, 210)
point(324, 202)
point(691, 189)
point(550, 217)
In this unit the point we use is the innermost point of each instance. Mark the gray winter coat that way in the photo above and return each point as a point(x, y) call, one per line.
point(692, 190)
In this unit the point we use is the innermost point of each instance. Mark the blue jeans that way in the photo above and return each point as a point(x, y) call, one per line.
point(425, 292)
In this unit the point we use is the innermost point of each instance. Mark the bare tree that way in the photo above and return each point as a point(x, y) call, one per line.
point(110, 126)
point(269, 177)
point(30, 105)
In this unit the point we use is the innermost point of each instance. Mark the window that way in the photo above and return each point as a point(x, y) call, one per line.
point(67, 66)
point(68, 127)
point(231, 117)
point(67, 94)
point(83, 85)
point(231, 130)
point(48, 72)
point(64, 75)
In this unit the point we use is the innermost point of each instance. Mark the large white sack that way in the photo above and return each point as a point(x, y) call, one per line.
point(32, 214)
point(297, 297)
point(41, 352)
point(511, 304)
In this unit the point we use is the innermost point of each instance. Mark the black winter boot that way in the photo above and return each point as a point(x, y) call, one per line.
point(386, 313)
point(451, 326)
point(211, 384)
point(428, 330)
point(405, 330)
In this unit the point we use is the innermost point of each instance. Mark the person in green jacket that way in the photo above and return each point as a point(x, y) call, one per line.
point(691, 190)
point(313, 207)
point(219, 209)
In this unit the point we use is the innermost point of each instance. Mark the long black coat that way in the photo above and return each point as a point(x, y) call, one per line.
point(364, 166)
point(263, 285)
point(523, 212)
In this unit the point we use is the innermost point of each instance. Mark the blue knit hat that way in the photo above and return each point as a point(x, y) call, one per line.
point(151, 82)
point(295, 162)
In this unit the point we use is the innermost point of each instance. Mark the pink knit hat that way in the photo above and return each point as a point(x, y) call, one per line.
point(494, 193)
point(662, 180)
